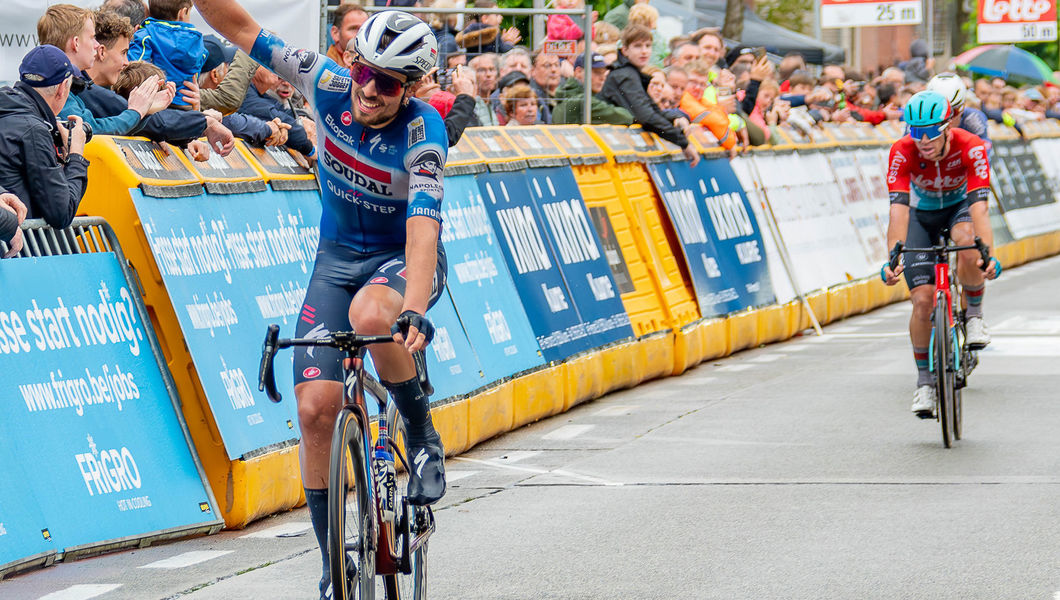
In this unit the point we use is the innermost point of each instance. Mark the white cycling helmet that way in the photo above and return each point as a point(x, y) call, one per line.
point(398, 41)
point(951, 87)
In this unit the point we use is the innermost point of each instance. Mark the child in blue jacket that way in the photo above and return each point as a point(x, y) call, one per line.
point(171, 43)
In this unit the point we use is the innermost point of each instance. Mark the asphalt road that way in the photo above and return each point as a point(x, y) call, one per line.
point(790, 471)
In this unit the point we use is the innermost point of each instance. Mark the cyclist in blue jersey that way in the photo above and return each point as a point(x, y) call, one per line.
point(972, 120)
point(380, 264)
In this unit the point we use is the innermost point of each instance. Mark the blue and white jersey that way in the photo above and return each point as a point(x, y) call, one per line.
point(373, 180)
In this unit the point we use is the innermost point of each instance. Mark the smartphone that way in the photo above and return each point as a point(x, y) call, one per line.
point(759, 53)
point(444, 78)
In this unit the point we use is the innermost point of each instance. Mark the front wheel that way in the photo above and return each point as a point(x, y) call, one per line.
point(942, 358)
point(351, 524)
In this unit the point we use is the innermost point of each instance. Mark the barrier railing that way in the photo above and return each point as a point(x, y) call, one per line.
point(582, 259)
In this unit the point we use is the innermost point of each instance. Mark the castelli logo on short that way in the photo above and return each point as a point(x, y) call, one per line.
point(347, 118)
point(1016, 11)
point(311, 373)
point(379, 280)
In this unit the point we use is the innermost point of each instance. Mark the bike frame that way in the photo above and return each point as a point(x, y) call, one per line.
point(943, 289)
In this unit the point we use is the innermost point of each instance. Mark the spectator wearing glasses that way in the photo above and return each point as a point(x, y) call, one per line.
point(41, 159)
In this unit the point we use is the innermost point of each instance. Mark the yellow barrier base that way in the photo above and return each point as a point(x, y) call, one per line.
point(259, 487)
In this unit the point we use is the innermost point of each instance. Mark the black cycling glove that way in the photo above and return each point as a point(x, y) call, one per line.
point(411, 318)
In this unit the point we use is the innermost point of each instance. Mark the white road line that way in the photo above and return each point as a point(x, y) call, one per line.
point(187, 559)
point(82, 591)
point(451, 476)
point(732, 368)
point(285, 530)
point(567, 432)
point(869, 320)
point(766, 358)
point(830, 336)
point(795, 347)
point(540, 471)
point(1037, 347)
point(516, 456)
point(692, 380)
point(618, 410)
point(842, 329)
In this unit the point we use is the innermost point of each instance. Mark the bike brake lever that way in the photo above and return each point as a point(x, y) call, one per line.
point(266, 376)
point(896, 254)
point(984, 252)
point(420, 358)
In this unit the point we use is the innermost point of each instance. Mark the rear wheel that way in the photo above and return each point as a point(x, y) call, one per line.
point(944, 377)
point(351, 537)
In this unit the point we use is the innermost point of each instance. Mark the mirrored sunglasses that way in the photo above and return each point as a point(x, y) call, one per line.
point(385, 84)
point(930, 131)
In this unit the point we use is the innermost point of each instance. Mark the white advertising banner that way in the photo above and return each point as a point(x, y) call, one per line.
point(744, 169)
point(297, 21)
point(1003, 21)
point(861, 205)
point(869, 13)
point(814, 223)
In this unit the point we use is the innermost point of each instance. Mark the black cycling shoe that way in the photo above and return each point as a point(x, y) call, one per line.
point(427, 462)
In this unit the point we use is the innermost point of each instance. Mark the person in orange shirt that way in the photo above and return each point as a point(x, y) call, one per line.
point(700, 112)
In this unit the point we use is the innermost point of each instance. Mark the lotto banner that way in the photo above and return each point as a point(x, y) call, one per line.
point(297, 21)
point(580, 255)
point(94, 449)
point(232, 265)
point(812, 219)
point(481, 287)
point(720, 239)
point(557, 325)
point(1008, 21)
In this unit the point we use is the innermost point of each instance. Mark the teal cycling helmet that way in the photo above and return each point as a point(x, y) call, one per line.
point(927, 108)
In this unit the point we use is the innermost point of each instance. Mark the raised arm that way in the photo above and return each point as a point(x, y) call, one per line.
point(231, 20)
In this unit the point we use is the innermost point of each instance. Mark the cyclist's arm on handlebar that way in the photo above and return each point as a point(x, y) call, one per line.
point(421, 261)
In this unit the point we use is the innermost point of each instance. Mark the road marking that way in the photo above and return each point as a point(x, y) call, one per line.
point(567, 432)
point(540, 471)
point(733, 368)
point(82, 591)
point(1028, 325)
point(286, 530)
point(187, 559)
point(795, 347)
point(1038, 347)
point(851, 336)
point(694, 380)
point(618, 410)
point(452, 476)
point(766, 358)
point(516, 456)
point(869, 320)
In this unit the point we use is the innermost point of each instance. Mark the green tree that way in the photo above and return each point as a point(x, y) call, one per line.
point(789, 14)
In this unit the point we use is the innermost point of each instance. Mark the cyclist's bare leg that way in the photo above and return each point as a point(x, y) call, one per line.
point(373, 311)
point(923, 299)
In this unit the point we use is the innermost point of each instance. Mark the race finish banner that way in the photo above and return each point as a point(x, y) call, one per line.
point(870, 13)
point(89, 423)
point(1008, 21)
point(293, 20)
point(580, 255)
point(557, 325)
point(232, 265)
point(720, 239)
point(481, 286)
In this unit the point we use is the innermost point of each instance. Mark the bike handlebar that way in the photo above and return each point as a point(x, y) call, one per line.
point(346, 341)
point(941, 249)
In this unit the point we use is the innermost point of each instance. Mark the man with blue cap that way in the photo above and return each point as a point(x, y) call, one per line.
point(41, 159)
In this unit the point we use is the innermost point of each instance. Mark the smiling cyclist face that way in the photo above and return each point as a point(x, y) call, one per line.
point(376, 95)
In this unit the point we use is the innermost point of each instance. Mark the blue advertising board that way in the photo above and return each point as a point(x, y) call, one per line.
point(24, 531)
point(579, 254)
point(720, 239)
point(559, 329)
point(481, 287)
point(451, 363)
point(232, 265)
point(101, 445)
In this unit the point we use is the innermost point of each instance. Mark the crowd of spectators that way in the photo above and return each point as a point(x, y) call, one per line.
point(139, 67)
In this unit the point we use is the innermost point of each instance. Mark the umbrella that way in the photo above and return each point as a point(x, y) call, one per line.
point(1007, 62)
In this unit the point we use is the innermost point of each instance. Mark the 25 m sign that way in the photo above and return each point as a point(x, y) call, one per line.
point(1016, 21)
point(870, 13)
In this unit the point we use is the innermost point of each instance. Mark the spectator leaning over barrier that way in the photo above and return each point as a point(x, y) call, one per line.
point(544, 80)
point(627, 86)
point(486, 68)
point(42, 160)
point(171, 43)
point(73, 30)
point(520, 104)
point(677, 77)
point(134, 10)
point(345, 23)
point(225, 76)
point(139, 72)
point(302, 134)
point(648, 16)
point(571, 96)
point(12, 213)
point(709, 115)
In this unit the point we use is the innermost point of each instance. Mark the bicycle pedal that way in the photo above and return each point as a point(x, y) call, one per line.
point(925, 414)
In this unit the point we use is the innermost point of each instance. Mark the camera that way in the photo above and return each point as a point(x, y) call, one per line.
point(69, 124)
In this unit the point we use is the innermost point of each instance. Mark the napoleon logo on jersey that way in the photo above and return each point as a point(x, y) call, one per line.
point(428, 164)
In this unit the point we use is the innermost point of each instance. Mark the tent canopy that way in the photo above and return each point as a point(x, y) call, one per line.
point(756, 31)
